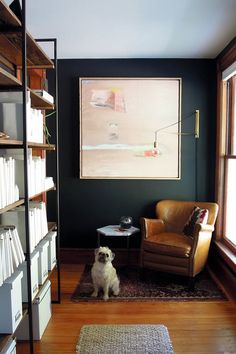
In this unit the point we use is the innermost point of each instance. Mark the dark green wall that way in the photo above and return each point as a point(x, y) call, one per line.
point(88, 204)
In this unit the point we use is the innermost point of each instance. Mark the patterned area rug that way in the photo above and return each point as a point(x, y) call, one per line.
point(156, 286)
point(124, 339)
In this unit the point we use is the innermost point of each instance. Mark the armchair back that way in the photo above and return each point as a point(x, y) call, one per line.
point(175, 213)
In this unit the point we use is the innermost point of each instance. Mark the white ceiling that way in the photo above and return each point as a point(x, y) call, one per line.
point(134, 28)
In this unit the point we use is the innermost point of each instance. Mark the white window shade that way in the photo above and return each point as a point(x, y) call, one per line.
point(229, 72)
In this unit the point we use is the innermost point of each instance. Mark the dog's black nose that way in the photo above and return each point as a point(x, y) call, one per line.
point(103, 254)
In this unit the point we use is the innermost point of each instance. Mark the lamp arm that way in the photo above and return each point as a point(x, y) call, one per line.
point(196, 128)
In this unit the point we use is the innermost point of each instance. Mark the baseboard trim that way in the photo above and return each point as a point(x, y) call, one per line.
point(86, 256)
point(222, 275)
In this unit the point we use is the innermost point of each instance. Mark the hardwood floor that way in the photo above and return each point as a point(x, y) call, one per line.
point(194, 327)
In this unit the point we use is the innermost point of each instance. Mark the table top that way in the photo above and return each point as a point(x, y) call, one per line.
point(114, 230)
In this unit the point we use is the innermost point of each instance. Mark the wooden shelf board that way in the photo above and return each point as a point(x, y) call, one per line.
point(7, 16)
point(9, 143)
point(42, 146)
point(7, 79)
point(4, 339)
point(11, 42)
point(12, 206)
point(52, 225)
point(48, 147)
point(21, 201)
point(38, 57)
point(10, 45)
point(46, 190)
point(40, 102)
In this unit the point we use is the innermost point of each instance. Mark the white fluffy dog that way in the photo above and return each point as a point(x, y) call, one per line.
point(104, 274)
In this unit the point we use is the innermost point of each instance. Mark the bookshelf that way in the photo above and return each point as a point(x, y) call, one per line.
point(21, 61)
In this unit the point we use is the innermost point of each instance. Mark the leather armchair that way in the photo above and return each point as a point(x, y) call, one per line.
point(164, 246)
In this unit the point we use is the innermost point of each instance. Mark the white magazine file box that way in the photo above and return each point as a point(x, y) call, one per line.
point(11, 303)
point(42, 313)
point(43, 261)
point(34, 276)
point(52, 260)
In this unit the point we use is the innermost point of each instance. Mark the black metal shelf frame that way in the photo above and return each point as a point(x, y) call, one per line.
point(25, 151)
point(57, 182)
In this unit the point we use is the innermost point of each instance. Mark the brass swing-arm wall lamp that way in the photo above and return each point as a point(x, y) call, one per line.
point(196, 128)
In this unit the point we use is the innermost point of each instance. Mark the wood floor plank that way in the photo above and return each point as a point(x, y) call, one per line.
point(195, 327)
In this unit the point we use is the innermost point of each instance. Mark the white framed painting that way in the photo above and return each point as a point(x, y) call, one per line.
point(130, 128)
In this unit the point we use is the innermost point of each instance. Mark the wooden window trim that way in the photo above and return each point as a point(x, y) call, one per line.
point(225, 241)
point(220, 150)
point(228, 57)
point(231, 127)
point(224, 246)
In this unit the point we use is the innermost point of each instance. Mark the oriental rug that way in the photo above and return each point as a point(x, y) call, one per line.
point(155, 286)
point(124, 339)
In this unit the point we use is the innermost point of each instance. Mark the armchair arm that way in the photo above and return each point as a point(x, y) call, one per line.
point(151, 227)
point(201, 244)
point(203, 227)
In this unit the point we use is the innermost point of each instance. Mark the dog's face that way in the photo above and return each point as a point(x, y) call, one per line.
point(104, 255)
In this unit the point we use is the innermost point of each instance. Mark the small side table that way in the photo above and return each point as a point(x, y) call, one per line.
point(114, 231)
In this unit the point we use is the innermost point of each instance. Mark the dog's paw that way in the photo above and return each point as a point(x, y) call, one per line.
point(94, 294)
point(105, 297)
point(116, 292)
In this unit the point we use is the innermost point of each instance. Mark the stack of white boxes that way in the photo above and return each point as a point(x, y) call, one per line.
point(43, 260)
point(34, 276)
point(14, 292)
point(52, 260)
point(42, 313)
point(11, 303)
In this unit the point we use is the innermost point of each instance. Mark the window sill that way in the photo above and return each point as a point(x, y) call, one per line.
point(226, 254)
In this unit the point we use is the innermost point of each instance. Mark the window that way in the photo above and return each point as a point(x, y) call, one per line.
point(226, 152)
point(229, 222)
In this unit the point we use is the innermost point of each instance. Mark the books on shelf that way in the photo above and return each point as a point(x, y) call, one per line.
point(11, 252)
point(37, 180)
point(9, 191)
point(38, 227)
point(44, 94)
point(11, 118)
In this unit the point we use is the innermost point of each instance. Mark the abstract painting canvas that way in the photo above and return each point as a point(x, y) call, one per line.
point(130, 128)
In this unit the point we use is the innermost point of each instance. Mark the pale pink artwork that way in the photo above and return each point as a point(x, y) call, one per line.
point(130, 128)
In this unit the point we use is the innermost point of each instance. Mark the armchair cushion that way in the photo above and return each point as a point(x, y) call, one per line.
point(197, 216)
point(169, 243)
